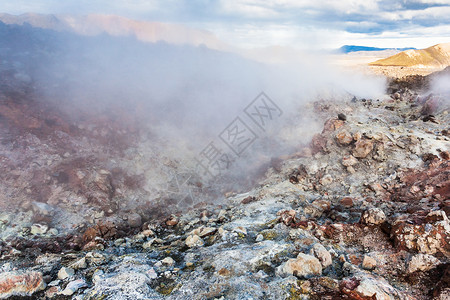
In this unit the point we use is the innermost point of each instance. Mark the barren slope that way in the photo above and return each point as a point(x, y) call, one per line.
point(435, 56)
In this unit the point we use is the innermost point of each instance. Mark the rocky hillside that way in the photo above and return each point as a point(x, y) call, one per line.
point(435, 56)
point(358, 212)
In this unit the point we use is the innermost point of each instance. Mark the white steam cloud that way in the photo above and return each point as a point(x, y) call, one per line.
point(185, 96)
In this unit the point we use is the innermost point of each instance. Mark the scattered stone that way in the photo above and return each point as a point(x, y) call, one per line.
point(65, 273)
point(194, 241)
point(326, 180)
point(240, 230)
point(168, 261)
point(52, 231)
point(120, 242)
point(134, 220)
point(20, 284)
point(319, 251)
point(152, 274)
point(248, 199)
point(73, 287)
point(445, 155)
point(374, 289)
point(79, 264)
point(148, 233)
point(344, 137)
point(172, 221)
point(421, 262)
point(332, 125)
point(369, 263)
point(203, 231)
point(317, 208)
point(148, 244)
point(54, 282)
point(302, 266)
point(287, 217)
point(377, 188)
point(373, 216)
point(324, 205)
point(4, 219)
point(38, 229)
point(224, 272)
point(348, 161)
point(342, 117)
point(362, 148)
point(52, 291)
point(346, 202)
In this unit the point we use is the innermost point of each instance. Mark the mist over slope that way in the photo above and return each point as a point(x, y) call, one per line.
point(434, 56)
point(152, 108)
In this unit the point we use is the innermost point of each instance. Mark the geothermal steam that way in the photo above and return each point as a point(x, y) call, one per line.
point(183, 97)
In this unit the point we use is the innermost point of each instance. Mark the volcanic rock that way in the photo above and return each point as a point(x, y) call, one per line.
point(373, 216)
point(421, 262)
point(362, 148)
point(20, 284)
point(344, 137)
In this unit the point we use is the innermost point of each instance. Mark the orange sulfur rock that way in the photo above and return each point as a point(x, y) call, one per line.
point(20, 284)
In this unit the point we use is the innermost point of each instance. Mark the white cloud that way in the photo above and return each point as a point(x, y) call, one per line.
point(432, 13)
point(299, 23)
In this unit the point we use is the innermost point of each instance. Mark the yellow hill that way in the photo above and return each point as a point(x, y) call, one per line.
point(435, 56)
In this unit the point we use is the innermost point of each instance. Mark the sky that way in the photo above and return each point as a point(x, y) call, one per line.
point(294, 23)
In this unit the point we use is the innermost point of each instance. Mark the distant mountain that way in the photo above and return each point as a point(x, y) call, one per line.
point(119, 26)
point(435, 56)
point(354, 48)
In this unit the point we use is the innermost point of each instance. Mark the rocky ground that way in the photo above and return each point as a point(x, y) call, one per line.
point(361, 213)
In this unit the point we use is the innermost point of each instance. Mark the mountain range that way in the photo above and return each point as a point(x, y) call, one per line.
point(356, 48)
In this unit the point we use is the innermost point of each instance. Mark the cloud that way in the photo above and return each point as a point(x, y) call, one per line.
point(267, 22)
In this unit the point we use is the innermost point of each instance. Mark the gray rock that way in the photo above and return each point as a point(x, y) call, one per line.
point(73, 286)
point(303, 266)
point(65, 273)
point(79, 264)
point(319, 251)
point(38, 229)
